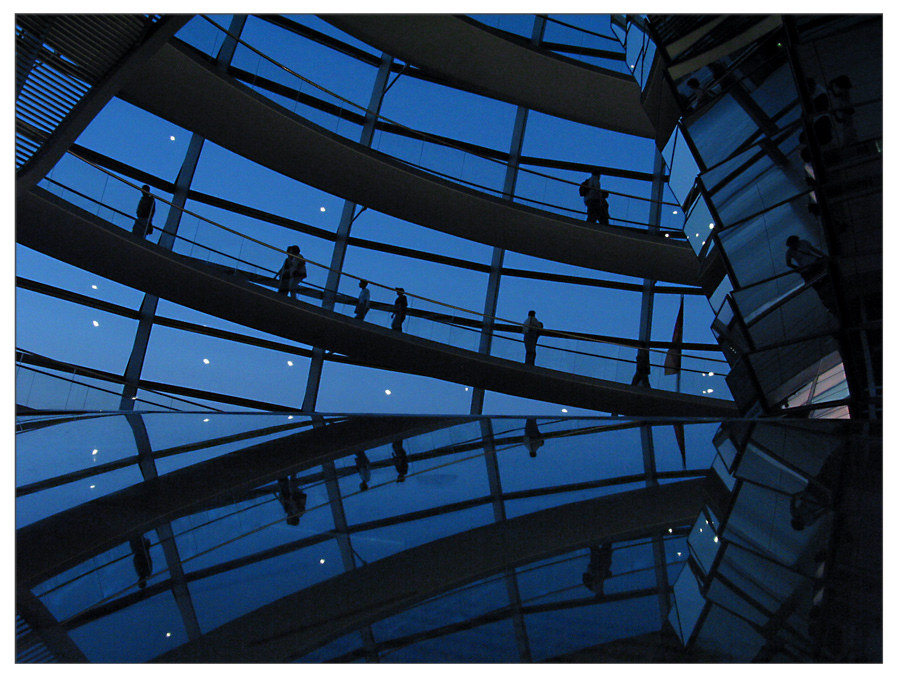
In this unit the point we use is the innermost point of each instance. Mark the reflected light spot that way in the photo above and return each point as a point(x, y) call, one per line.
point(205, 361)
point(467, 388)
point(564, 409)
point(667, 234)
point(290, 416)
point(712, 225)
point(696, 234)
point(674, 212)
point(96, 324)
point(290, 363)
point(168, 634)
point(387, 391)
point(670, 530)
point(709, 390)
point(172, 137)
point(92, 486)
point(715, 539)
point(711, 373)
point(322, 209)
point(94, 451)
point(93, 286)
point(206, 420)
point(321, 561)
point(679, 553)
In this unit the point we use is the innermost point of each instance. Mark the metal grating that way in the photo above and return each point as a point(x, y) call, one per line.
point(671, 28)
point(59, 57)
point(29, 647)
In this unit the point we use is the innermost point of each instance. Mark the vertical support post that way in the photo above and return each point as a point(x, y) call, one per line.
point(509, 188)
point(512, 584)
point(147, 311)
point(314, 377)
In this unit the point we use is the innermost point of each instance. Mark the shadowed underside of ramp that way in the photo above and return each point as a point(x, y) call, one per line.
point(60, 230)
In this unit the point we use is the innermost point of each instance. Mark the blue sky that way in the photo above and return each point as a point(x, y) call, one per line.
point(103, 341)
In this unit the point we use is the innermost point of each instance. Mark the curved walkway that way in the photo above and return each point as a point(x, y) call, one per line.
point(190, 92)
point(470, 56)
point(290, 627)
point(54, 544)
point(50, 225)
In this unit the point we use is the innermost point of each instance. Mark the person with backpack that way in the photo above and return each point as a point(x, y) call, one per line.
point(292, 272)
point(595, 199)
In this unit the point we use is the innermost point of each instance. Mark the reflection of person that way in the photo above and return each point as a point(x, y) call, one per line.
point(292, 271)
point(401, 463)
point(809, 262)
point(363, 302)
point(293, 500)
point(595, 199)
point(642, 370)
point(364, 470)
point(531, 330)
point(816, 499)
point(599, 568)
point(145, 211)
point(399, 313)
point(143, 563)
point(533, 437)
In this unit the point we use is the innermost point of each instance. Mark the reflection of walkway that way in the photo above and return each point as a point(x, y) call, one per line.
point(55, 228)
point(307, 619)
point(49, 546)
point(185, 90)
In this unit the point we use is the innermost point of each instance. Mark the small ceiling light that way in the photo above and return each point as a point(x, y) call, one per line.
point(168, 634)
point(206, 420)
point(565, 410)
point(674, 212)
point(322, 209)
point(321, 561)
point(93, 286)
point(96, 324)
point(205, 361)
point(709, 390)
point(290, 363)
point(94, 451)
point(467, 388)
point(290, 416)
point(172, 138)
point(670, 530)
point(711, 373)
point(92, 486)
point(387, 391)
point(712, 225)
point(679, 553)
point(696, 234)
point(667, 234)
point(715, 539)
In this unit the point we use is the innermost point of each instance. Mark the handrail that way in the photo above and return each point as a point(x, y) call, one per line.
point(281, 251)
point(421, 134)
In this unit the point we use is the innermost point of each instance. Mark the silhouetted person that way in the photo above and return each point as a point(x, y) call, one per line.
point(292, 272)
point(399, 313)
point(143, 563)
point(364, 470)
point(595, 199)
point(599, 568)
point(531, 331)
point(401, 462)
point(145, 211)
point(293, 500)
point(363, 302)
point(809, 262)
point(839, 89)
point(817, 497)
point(642, 370)
point(533, 437)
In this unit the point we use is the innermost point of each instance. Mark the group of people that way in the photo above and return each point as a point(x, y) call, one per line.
point(293, 271)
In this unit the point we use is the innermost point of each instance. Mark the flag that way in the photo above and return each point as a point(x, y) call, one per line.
point(679, 438)
point(673, 357)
